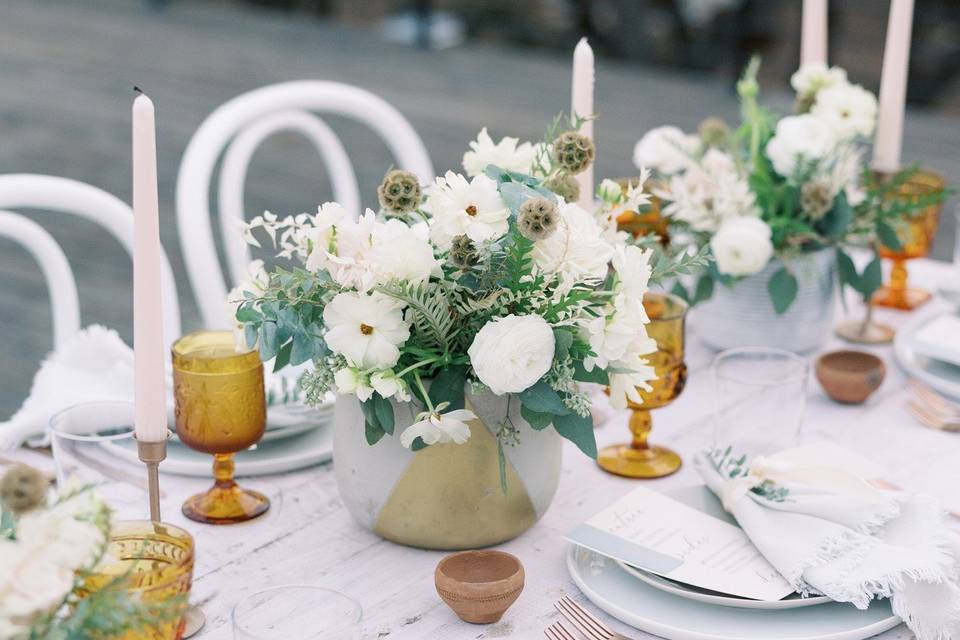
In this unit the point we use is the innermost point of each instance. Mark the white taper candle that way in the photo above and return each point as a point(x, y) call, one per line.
point(581, 104)
point(893, 88)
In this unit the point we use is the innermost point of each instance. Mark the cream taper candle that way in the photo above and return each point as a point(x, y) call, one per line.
point(150, 421)
point(581, 104)
point(813, 34)
point(893, 88)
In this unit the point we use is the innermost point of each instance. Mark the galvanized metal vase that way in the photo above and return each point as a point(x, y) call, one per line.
point(446, 496)
point(743, 315)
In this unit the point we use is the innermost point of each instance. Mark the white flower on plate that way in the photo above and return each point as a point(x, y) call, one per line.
point(465, 207)
point(352, 381)
point(813, 77)
point(626, 386)
point(510, 354)
point(506, 154)
point(365, 329)
point(387, 384)
point(849, 109)
point(401, 252)
point(321, 236)
point(667, 150)
point(437, 428)
point(800, 140)
point(577, 250)
point(632, 265)
point(742, 246)
point(708, 193)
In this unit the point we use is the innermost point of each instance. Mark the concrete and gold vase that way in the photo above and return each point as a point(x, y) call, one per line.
point(446, 496)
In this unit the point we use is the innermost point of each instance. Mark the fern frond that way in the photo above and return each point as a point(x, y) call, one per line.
point(433, 319)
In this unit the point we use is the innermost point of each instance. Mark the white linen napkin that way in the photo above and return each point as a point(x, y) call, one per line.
point(815, 517)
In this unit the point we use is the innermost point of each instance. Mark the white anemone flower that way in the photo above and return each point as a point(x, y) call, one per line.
point(366, 329)
point(436, 428)
point(465, 207)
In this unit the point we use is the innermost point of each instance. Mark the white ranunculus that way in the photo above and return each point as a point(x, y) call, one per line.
point(352, 381)
point(813, 77)
point(742, 246)
point(506, 154)
point(321, 235)
point(849, 109)
point(577, 250)
point(398, 252)
point(365, 329)
point(437, 428)
point(510, 354)
point(667, 150)
point(799, 140)
point(465, 207)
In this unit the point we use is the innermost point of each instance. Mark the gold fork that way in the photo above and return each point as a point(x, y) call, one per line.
point(930, 418)
point(557, 631)
point(585, 622)
point(949, 411)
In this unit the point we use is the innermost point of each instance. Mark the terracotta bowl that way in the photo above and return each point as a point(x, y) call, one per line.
point(479, 585)
point(850, 376)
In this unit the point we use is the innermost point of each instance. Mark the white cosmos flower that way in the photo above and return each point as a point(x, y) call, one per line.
point(626, 386)
point(815, 76)
point(401, 252)
point(352, 381)
point(436, 428)
point(510, 354)
point(506, 154)
point(459, 207)
point(577, 250)
point(799, 140)
point(321, 236)
point(849, 109)
point(708, 192)
point(742, 246)
point(366, 329)
point(667, 150)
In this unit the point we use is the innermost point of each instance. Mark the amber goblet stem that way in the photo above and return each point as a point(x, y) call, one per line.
point(223, 468)
point(640, 425)
point(898, 277)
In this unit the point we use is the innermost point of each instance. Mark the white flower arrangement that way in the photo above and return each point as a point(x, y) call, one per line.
point(776, 186)
point(490, 279)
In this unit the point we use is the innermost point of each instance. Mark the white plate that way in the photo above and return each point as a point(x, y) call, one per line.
point(279, 455)
point(663, 614)
point(702, 499)
point(940, 375)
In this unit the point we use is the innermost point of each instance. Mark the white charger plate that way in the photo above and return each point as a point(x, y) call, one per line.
point(702, 499)
point(942, 376)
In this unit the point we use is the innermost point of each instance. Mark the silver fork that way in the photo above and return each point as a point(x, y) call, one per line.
point(557, 631)
point(929, 418)
point(585, 622)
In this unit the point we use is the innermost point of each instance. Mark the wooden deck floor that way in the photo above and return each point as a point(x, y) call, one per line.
point(66, 69)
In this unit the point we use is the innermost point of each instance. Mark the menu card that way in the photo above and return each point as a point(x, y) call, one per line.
point(654, 532)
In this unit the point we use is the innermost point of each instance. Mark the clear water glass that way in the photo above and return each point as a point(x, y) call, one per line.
point(93, 445)
point(760, 395)
point(297, 611)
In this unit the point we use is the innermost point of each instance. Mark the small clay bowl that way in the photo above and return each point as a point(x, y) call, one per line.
point(479, 585)
point(850, 376)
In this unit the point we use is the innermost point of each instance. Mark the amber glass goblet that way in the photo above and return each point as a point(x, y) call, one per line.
point(221, 409)
point(916, 238)
point(154, 563)
point(640, 459)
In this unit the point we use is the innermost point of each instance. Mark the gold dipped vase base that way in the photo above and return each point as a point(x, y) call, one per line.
point(652, 462)
point(226, 505)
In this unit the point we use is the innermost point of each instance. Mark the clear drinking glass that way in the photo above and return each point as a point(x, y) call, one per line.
point(297, 611)
point(93, 445)
point(760, 394)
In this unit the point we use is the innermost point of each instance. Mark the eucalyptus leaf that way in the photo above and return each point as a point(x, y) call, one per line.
point(596, 375)
point(543, 399)
point(535, 419)
point(871, 278)
point(283, 357)
point(515, 194)
point(834, 225)
point(269, 345)
point(251, 335)
point(782, 287)
point(383, 409)
point(888, 236)
point(448, 384)
point(704, 290)
point(373, 432)
point(563, 340)
point(578, 430)
point(303, 348)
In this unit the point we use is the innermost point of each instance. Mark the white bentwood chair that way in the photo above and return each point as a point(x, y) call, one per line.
point(234, 131)
point(66, 196)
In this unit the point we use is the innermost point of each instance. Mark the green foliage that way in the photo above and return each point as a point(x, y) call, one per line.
point(378, 417)
point(865, 283)
point(782, 287)
point(433, 319)
point(542, 399)
point(448, 385)
point(578, 430)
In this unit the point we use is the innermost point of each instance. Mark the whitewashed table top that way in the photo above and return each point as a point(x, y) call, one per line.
point(308, 537)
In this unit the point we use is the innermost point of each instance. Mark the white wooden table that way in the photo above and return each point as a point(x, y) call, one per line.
point(308, 537)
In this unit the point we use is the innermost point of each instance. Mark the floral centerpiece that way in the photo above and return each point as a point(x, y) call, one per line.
point(776, 201)
point(483, 299)
point(48, 551)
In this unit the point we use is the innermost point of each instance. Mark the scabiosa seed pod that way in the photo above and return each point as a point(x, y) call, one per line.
point(816, 199)
point(565, 186)
point(399, 192)
point(22, 488)
point(463, 253)
point(574, 152)
point(714, 132)
point(537, 218)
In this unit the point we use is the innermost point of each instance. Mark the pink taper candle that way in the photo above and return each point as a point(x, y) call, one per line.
point(581, 104)
point(150, 394)
point(893, 88)
point(813, 38)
